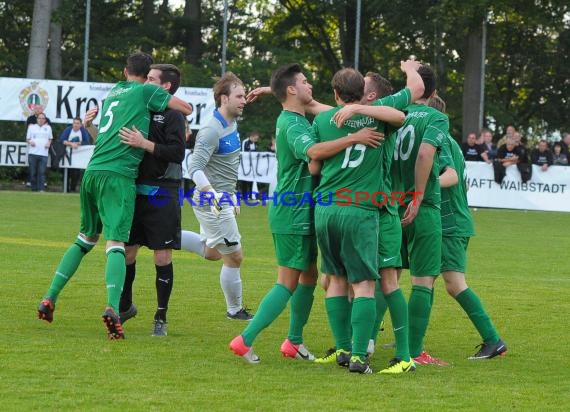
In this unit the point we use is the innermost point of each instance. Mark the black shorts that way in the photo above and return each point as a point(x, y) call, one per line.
point(156, 227)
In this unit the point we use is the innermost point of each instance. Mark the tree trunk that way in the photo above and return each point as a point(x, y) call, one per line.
point(37, 55)
point(472, 83)
point(193, 32)
point(55, 45)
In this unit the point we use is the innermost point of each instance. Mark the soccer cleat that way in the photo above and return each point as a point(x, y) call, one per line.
point(241, 314)
point(299, 351)
point(342, 357)
point(359, 365)
point(160, 328)
point(489, 350)
point(426, 359)
point(399, 366)
point(46, 309)
point(113, 324)
point(238, 346)
point(330, 356)
point(131, 312)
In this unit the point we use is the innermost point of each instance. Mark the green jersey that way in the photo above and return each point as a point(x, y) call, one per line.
point(352, 177)
point(399, 101)
point(456, 218)
point(291, 211)
point(423, 124)
point(128, 104)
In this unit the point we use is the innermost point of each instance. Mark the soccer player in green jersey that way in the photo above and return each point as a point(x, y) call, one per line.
point(347, 225)
point(292, 225)
point(457, 228)
point(416, 172)
point(376, 87)
point(108, 190)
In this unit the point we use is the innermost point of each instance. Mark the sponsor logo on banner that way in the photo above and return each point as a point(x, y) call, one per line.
point(31, 96)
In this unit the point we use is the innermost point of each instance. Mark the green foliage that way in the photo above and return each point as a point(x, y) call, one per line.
point(70, 365)
point(526, 79)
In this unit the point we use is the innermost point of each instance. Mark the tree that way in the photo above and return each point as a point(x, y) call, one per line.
point(55, 43)
point(39, 39)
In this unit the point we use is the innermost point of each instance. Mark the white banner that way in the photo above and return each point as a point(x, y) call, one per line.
point(13, 154)
point(64, 100)
point(260, 167)
point(549, 190)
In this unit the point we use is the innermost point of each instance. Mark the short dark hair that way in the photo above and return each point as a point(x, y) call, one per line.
point(168, 73)
point(224, 86)
point(78, 118)
point(138, 64)
point(382, 86)
point(282, 78)
point(428, 76)
point(349, 85)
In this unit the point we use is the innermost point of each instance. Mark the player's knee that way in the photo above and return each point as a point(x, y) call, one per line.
point(85, 244)
point(234, 259)
point(162, 257)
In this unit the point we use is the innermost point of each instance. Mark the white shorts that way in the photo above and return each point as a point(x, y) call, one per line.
point(220, 233)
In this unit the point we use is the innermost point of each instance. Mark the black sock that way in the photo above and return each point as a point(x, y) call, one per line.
point(164, 280)
point(127, 293)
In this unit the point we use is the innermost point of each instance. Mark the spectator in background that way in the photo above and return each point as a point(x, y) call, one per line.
point(512, 154)
point(559, 158)
point(511, 130)
point(565, 143)
point(249, 145)
point(507, 155)
point(39, 137)
point(491, 149)
point(542, 156)
point(33, 118)
point(471, 150)
point(272, 147)
point(74, 136)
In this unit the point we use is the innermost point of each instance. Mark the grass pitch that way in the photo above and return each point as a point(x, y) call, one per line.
point(518, 264)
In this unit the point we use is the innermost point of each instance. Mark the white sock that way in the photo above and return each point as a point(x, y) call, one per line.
point(230, 281)
point(192, 242)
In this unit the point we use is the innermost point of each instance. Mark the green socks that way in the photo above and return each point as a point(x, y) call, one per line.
point(338, 311)
point(301, 304)
point(115, 275)
point(472, 305)
point(269, 309)
point(381, 307)
point(399, 315)
point(419, 309)
point(362, 319)
point(67, 267)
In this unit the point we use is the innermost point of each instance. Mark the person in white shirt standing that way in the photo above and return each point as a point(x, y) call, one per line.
point(39, 137)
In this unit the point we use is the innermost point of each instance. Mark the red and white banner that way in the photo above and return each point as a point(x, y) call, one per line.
point(64, 100)
point(549, 190)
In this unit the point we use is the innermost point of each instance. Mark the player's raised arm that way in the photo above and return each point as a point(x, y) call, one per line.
point(180, 105)
point(324, 150)
point(315, 107)
point(414, 81)
point(384, 113)
point(256, 93)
